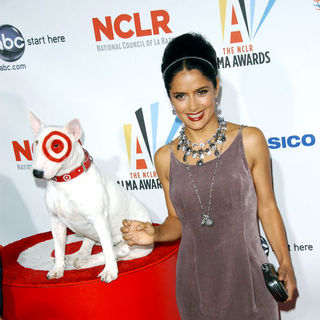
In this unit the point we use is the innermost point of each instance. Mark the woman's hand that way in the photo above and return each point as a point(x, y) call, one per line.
point(137, 232)
point(286, 274)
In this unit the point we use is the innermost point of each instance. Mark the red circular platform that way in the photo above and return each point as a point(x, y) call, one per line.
point(145, 288)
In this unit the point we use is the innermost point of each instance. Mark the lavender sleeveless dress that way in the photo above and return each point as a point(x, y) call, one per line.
point(219, 268)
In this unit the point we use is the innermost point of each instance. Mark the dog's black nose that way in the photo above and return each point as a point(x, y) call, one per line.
point(38, 173)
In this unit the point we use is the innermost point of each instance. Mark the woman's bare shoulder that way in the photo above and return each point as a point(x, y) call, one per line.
point(162, 153)
point(162, 160)
point(253, 136)
point(255, 146)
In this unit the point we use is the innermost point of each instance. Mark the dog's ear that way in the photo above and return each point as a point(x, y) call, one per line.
point(35, 123)
point(74, 129)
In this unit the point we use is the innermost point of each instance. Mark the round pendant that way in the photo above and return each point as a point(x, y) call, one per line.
point(207, 221)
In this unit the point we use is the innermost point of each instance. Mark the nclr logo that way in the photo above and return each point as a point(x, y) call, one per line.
point(126, 26)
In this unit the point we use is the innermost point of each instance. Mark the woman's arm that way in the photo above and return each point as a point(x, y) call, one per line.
point(171, 228)
point(257, 154)
point(137, 232)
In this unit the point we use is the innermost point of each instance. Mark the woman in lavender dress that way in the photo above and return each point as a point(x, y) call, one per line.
point(217, 183)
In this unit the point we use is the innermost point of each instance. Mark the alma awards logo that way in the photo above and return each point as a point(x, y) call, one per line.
point(141, 149)
point(239, 26)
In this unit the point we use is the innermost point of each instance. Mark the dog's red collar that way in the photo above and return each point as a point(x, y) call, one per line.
point(85, 165)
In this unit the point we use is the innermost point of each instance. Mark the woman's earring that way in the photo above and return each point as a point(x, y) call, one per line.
point(218, 102)
point(217, 107)
point(174, 112)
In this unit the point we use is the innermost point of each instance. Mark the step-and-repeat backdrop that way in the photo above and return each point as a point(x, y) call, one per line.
point(99, 61)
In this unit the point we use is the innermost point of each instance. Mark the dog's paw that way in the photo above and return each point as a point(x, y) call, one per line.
point(121, 250)
point(55, 273)
point(89, 261)
point(81, 263)
point(108, 275)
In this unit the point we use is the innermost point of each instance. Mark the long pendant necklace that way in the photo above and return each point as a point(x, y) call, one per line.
point(206, 219)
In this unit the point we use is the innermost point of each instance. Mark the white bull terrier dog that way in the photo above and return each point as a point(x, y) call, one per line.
point(78, 197)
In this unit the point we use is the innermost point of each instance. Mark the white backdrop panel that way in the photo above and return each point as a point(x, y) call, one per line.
point(104, 89)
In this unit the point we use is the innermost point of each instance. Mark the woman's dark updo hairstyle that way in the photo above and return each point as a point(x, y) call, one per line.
point(188, 45)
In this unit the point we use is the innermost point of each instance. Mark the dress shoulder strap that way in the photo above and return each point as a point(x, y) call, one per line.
point(242, 126)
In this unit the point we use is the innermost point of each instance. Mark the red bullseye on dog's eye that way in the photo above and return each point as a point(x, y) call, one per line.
point(56, 146)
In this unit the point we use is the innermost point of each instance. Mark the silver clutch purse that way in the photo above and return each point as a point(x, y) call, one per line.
point(275, 286)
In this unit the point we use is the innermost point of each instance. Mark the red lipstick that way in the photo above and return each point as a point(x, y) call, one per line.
point(195, 116)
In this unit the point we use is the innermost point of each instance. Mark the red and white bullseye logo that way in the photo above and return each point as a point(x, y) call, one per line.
point(56, 146)
point(40, 255)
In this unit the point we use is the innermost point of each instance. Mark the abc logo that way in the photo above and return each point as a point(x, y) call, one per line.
point(11, 43)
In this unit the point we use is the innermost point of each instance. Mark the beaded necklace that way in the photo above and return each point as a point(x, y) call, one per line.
point(187, 146)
